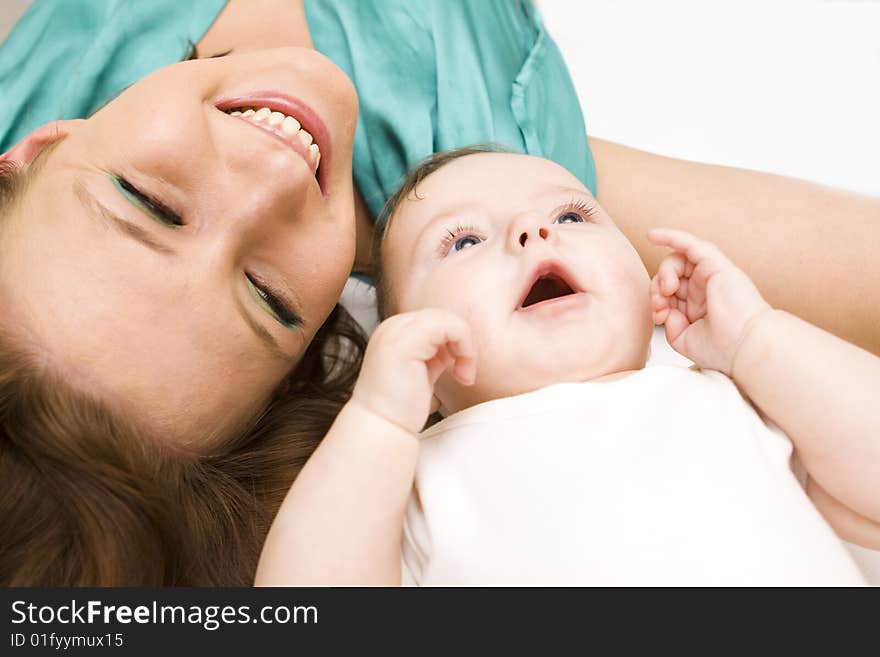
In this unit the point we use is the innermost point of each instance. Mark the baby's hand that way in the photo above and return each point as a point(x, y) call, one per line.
point(406, 355)
point(704, 299)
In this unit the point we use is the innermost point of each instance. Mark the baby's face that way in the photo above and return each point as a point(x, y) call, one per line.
point(518, 247)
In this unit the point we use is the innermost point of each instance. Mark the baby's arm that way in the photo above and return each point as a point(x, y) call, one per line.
point(819, 389)
point(823, 392)
point(341, 522)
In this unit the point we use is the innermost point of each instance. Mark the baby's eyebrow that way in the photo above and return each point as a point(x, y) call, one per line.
point(450, 216)
point(565, 189)
point(573, 197)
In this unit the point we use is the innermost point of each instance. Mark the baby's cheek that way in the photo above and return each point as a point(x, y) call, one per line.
point(484, 319)
point(487, 334)
point(424, 295)
point(630, 278)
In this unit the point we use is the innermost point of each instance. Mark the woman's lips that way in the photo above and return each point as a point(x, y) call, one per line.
point(308, 120)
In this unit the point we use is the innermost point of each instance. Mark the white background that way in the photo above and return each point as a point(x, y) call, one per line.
point(788, 86)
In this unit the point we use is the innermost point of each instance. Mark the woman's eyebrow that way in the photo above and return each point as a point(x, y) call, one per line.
point(94, 207)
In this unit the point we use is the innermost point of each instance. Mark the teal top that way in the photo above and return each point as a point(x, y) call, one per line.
point(438, 74)
point(431, 75)
point(66, 58)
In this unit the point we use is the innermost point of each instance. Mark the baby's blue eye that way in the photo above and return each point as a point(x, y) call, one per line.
point(464, 242)
point(569, 218)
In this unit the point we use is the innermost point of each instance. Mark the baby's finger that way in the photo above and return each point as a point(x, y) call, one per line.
point(682, 291)
point(676, 323)
point(659, 316)
point(440, 327)
point(450, 331)
point(438, 364)
point(694, 248)
point(465, 368)
point(699, 282)
point(669, 273)
point(658, 301)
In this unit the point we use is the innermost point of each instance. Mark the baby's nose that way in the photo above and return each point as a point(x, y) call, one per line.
point(543, 233)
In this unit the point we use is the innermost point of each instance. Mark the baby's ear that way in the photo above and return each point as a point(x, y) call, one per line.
point(25, 151)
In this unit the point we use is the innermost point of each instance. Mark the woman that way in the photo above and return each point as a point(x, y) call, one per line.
point(128, 425)
point(166, 264)
point(169, 260)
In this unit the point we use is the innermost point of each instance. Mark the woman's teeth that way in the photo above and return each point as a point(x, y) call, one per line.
point(286, 124)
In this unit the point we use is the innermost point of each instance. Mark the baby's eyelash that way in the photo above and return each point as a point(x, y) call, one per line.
point(578, 205)
point(450, 236)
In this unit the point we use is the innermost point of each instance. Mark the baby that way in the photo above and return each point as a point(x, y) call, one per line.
point(523, 315)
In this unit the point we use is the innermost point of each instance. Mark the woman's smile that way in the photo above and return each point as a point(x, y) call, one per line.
point(290, 121)
point(224, 259)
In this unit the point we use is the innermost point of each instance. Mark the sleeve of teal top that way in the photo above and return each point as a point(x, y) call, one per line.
point(439, 74)
point(65, 58)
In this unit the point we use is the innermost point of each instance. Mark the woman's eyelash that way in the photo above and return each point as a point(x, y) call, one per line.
point(278, 307)
point(451, 235)
point(161, 210)
point(272, 299)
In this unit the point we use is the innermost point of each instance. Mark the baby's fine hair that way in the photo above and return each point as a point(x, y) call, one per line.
point(410, 183)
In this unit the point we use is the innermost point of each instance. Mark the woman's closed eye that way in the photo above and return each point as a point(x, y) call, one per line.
point(150, 206)
point(271, 301)
point(268, 298)
point(459, 239)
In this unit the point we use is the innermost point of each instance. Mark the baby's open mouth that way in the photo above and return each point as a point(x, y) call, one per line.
point(546, 287)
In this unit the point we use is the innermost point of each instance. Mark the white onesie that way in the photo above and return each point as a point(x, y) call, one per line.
point(667, 476)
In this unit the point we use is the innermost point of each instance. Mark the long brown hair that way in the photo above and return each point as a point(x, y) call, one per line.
point(88, 498)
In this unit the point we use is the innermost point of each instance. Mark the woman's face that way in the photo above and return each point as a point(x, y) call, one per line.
point(189, 327)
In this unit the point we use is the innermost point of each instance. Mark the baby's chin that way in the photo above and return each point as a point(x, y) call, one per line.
point(509, 382)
